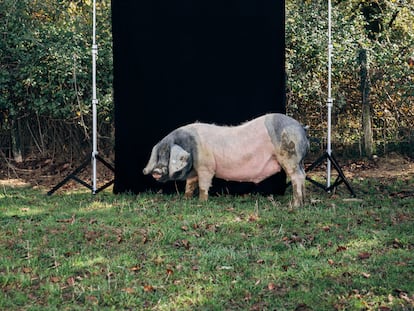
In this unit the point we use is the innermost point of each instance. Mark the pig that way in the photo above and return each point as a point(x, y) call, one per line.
point(250, 152)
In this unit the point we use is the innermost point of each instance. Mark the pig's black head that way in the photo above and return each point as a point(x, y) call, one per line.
point(169, 162)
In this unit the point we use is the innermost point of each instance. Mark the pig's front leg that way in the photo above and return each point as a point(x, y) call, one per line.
point(191, 184)
point(205, 177)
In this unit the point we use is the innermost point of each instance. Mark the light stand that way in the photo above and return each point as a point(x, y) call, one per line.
point(94, 156)
point(328, 154)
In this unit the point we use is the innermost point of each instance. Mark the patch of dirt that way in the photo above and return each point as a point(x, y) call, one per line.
point(46, 173)
point(389, 167)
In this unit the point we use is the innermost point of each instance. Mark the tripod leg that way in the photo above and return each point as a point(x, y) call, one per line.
point(70, 176)
point(341, 174)
point(317, 163)
point(98, 157)
point(314, 165)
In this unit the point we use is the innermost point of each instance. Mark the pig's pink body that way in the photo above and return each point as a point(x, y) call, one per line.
point(250, 152)
point(243, 153)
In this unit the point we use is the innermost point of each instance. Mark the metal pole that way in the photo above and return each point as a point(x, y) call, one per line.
point(329, 101)
point(94, 101)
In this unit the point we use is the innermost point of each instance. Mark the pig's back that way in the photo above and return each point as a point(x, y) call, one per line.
point(238, 153)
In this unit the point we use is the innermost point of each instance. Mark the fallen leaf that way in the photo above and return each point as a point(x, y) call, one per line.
point(397, 244)
point(67, 220)
point(366, 275)
point(119, 239)
point(91, 235)
point(405, 297)
point(315, 201)
point(225, 268)
point(27, 270)
point(364, 255)
point(149, 288)
point(326, 228)
point(135, 268)
point(70, 281)
point(331, 262)
point(92, 299)
point(271, 286)
point(253, 218)
point(186, 244)
point(128, 290)
point(212, 227)
point(182, 244)
point(341, 248)
point(248, 296)
point(55, 279)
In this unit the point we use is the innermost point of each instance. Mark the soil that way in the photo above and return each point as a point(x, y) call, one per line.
point(46, 173)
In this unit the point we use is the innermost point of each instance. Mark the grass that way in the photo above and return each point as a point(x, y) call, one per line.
point(73, 251)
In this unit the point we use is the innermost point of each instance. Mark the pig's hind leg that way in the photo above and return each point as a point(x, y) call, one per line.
point(298, 177)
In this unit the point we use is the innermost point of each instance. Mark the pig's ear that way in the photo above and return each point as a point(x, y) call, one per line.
point(178, 159)
point(152, 161)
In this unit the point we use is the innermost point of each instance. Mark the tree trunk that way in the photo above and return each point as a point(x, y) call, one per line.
point(366, 105)
point(16, 141)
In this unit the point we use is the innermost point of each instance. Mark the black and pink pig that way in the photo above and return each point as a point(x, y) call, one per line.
point(250, 152)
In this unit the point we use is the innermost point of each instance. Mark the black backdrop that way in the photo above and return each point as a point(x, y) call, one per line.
point(180, 61)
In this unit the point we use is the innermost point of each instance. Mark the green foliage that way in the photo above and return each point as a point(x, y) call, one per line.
point(389, 47)
point(45, 68)
point(46, 61)
point(154, 252)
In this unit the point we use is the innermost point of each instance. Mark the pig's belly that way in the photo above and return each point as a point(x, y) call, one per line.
point(248, 168)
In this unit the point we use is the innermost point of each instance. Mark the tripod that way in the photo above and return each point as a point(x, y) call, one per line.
point(327, 156)
point(340, 179)
point(94, 156)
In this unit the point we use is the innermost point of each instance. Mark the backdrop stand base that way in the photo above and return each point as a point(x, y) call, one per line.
point(73, 176)
point(340, 179)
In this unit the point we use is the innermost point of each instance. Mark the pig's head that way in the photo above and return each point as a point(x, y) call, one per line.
point(169, 162)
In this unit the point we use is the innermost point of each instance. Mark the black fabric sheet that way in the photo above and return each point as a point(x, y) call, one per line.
point(180, 61)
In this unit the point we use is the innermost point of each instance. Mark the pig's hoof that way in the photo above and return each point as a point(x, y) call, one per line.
point(203, 197)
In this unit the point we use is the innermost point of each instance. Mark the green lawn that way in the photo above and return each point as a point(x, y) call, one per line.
point(74, 251)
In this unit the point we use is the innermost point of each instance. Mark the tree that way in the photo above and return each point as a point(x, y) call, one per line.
point(387, 34)
point(45, 74)
point(366, 105)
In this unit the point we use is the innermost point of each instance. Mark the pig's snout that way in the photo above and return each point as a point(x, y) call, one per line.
point(156, 173)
